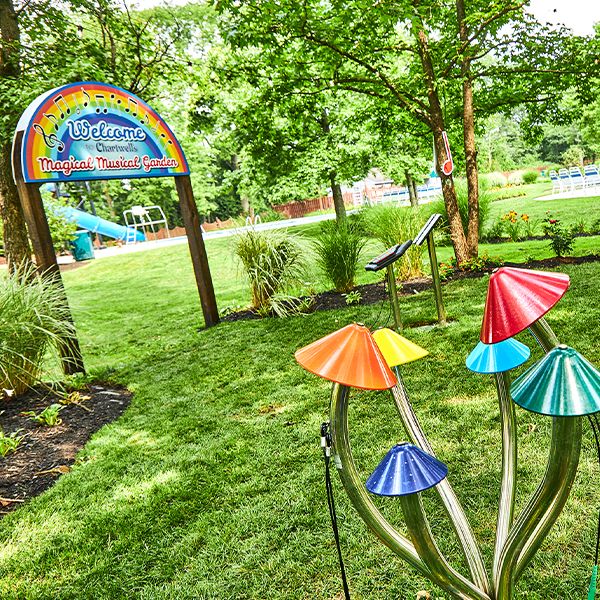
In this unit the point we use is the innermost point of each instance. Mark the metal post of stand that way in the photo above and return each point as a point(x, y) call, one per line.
point(426, 233)
point(393, 292)
point(387, 260)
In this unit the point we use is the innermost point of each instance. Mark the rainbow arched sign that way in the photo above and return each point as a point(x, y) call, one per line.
point(90, 130)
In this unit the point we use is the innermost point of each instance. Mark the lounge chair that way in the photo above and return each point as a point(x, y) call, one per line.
point(565, 180)
point(556, 182)
point(592, 176)
point(577, 179)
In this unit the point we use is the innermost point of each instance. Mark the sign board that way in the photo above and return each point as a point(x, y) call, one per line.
point(90, 130)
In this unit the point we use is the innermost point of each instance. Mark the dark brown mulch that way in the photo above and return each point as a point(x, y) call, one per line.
point(376, 292)
point(47, 452)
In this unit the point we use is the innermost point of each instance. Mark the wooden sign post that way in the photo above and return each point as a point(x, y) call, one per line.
point(88, 131)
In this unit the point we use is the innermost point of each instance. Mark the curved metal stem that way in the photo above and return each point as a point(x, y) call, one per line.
point(547, 339)
point(545, 506)
point(355, 488)
point(451, 503)
point(544, 335)
point(509, 467)
point(441, 572)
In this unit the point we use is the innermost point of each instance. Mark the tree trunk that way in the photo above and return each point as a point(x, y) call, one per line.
point(469, 137)
point(457, 233)
point(336, 190)
point(415, 191)
point(338, 198)
point(411, 188)
point(16, 242)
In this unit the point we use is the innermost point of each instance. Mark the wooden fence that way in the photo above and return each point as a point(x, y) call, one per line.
point(293, 210)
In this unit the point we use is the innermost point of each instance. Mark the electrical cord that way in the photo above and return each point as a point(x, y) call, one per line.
point(326, 445)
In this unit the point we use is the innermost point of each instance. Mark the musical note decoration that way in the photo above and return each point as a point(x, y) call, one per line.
point(51, 140)
point(101, 105)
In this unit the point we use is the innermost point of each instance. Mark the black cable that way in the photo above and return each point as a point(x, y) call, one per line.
point(377, 319)
point(326, 445)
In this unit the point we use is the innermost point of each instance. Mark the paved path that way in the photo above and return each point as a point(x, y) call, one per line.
point(210, 235)
point(589, 191)
point(222, 233)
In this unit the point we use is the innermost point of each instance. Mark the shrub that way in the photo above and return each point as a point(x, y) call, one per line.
point(34, 317)
point(439, 206)
point(61, 229)
point(393, 225)
point(530, 177)
point(516, 178)
point(272, 263)
point(492, 180)
point(573, 155)
point(338, 249)
point(561, 238)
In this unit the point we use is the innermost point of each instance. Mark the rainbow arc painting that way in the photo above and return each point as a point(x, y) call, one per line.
point(90, 130)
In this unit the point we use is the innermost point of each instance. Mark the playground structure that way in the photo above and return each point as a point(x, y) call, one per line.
point(562, 385)
point(95, 224)
point(140, 219)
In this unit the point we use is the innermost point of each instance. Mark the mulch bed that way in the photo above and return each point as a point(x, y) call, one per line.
point(47, 452)
point(372, 293)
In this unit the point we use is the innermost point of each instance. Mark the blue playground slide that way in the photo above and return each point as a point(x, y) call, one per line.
point(98, 225)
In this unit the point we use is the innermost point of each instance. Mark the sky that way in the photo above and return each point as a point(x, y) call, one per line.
point(578, 15)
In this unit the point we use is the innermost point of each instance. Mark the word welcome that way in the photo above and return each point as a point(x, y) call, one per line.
point(102, 163)
point(104, 132)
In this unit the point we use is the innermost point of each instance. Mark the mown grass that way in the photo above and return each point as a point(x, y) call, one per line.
point(210, 486)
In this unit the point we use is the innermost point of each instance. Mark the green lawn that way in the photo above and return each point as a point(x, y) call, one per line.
point(210, 486)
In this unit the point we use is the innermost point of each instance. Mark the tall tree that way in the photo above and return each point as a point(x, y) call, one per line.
point(444, 63)
point(16, 242)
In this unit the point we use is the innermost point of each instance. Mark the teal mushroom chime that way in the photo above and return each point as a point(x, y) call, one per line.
point(562, 385)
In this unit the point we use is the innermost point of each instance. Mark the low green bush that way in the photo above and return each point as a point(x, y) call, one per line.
point(10, 442)
point(562, 238)
point(34, 317)
point(530, 177)
point(272, 264)
point(47, 417)
point(338, 249)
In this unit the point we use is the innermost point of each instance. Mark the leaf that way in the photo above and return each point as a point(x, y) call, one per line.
point(61, 469)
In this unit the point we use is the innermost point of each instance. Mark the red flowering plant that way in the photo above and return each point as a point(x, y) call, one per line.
point(561, 238)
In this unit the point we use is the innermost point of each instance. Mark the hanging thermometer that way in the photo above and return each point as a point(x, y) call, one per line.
point(448, 165)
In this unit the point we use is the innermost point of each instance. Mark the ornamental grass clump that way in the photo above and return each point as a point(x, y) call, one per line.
point(338, 249)
point(34, 318)
point(272, 262)
point(393, 225)
point(462, 198)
